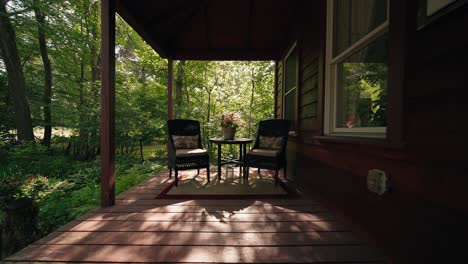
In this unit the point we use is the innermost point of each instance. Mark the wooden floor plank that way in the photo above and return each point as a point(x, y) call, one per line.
point(142, 226)
point(208, 217)
point(201, 239)
point(148, 187)
point(136, 196)
point(202, 202)
point(267, 208)
point(141, 229)
point(207, 254)
point(55, 262)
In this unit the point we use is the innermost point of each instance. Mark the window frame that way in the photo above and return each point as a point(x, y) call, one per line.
point(331, 68)
point(294, 47)
point(425, 19)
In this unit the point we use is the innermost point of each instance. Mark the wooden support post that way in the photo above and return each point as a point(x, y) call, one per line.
point(401, 13)
point(170, 81)
point(107, 103)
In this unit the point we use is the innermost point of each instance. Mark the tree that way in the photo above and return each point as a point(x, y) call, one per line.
point(178, 91)
point(41, 25)
point(16, 81)
point(251, 101)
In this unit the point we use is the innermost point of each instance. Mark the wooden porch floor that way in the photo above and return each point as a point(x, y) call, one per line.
point(140, 229)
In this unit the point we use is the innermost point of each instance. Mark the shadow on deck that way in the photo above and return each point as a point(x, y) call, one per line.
point(140, 228)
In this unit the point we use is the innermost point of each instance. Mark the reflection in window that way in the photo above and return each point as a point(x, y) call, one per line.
point(353, 19)
point(362, 87)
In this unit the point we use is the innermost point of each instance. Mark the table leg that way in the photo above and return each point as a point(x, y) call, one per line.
point(243, 159)
point(219, 161)
point(240, 160)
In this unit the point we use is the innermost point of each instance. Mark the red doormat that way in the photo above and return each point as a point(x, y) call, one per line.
point(230, 186)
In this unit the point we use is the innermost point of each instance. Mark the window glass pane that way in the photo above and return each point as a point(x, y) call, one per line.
point(361, 91)
point(290, 88)
point(290, 107)
point(290, 77)
point(436, 5)
point(353, 19)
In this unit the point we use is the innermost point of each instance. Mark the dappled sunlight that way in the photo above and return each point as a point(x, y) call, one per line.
point(230, 183)
point(142, 229)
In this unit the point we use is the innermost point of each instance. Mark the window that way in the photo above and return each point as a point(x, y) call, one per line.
point(290, 87)
point(356, 74)
point(430, 10)
point(435, 5)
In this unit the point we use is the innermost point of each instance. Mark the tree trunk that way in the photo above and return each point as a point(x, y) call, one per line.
point(20, 226)
point(251, 103)
point(141, 151)
point(208, 110)
point(67, 149)
point(95, 55)
point(47, 97)
point(84, 132)
point(16, 82)
point(178, 88)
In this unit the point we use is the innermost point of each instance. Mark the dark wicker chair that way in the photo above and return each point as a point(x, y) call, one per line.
point(186, 150)
point(269, 150)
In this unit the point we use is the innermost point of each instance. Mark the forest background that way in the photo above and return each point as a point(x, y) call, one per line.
point(50, 104)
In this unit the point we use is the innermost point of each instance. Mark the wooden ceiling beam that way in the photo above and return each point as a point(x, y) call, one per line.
point(195, 8)
point(124, 12)
point(228, 54)
point(167, 14)
point(207, 27)
point(248, 39)
point(171, 29)
point(291, 22)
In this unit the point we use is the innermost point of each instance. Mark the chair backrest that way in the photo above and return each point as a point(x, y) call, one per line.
point(273, 128)
point(183, 127)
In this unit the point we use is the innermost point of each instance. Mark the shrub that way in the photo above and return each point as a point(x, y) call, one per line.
point(67, 199)
point(32, 158)
point(15, 186)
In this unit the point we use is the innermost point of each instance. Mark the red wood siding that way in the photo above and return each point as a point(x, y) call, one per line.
point(309, 89)
point(427, 149)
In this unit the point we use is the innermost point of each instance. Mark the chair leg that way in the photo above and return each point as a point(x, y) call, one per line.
point(258, 170)
point(170, 172)
point(208, 173)
point(276, 177)
point(176, 174)
point(284, 171)
point(198, 171)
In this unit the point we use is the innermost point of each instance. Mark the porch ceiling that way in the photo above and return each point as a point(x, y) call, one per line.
point(213, 29)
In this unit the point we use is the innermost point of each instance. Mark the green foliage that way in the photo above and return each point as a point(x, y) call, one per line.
point(64, 201)
point(73, 42)
point(32, 158)
point(365, 86)
point(63, 205)
point(71, 189)
point(15, 186)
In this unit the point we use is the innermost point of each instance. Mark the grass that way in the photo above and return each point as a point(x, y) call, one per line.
point(154, 152)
